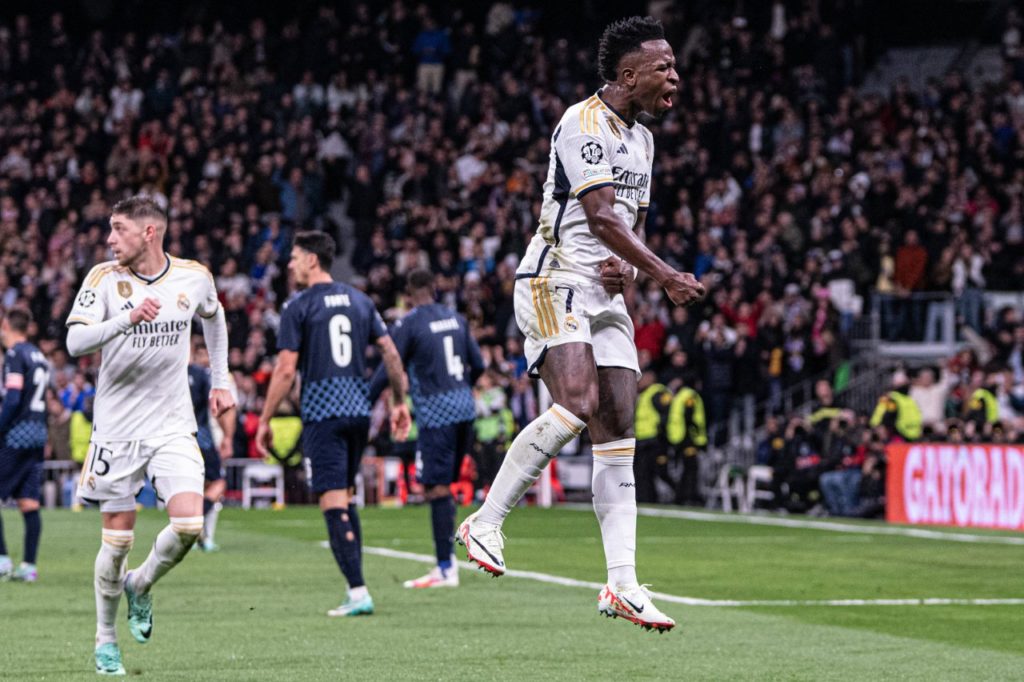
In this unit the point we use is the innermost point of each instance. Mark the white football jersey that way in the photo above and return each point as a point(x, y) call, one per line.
point(143, 382)
point(592, 147)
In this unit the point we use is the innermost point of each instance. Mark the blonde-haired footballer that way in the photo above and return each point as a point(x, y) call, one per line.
point(569, 305)
point(138, 311)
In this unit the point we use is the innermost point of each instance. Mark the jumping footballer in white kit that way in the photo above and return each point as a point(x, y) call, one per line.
point(137, 310)
point(569, 305)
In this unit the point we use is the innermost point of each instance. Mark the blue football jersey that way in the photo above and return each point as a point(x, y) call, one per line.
point(199, 385)
point(442, 360)
point(28, 426)
point(330, 326)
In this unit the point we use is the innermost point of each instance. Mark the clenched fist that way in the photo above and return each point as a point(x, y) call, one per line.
point(684, 289)
point(615, 275)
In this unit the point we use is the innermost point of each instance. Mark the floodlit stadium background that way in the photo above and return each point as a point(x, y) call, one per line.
point(846, 177)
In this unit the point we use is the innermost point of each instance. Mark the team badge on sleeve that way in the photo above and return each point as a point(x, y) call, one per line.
point(87, 298)
point(592, 153)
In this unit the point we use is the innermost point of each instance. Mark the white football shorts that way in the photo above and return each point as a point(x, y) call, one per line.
point(551, 311)
point(115, 472)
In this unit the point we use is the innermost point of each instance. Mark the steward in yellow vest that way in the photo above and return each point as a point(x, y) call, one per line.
point(688, 435)
point(651, 455)
point(898, 412)
point(983, 407)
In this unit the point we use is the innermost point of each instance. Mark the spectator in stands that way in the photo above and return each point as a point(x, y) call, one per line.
point(431, 47)
point(910, 268)
point(717, 341)
point(930, 397)
point(968, 280)
point(58, 424)
point(771, 163)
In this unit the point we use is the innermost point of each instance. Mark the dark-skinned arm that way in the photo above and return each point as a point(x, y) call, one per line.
point(606, 225)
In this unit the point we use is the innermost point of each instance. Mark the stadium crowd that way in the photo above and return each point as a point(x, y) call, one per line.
point(833, 460)
point(423, 136)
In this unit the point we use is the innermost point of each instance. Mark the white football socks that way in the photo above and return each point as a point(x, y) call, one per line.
point(210, 521)
point(615, 505)
point(536, 445)
point(108, 581)
point(170, 547)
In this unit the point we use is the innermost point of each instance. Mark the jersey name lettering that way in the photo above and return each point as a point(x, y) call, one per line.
point(440, 326)
point(336, 301)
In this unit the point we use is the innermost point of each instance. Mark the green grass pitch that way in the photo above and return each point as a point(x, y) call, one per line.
point(255, 610)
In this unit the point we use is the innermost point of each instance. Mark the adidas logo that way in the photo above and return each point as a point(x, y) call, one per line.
point(622, 149)
point(127, 306)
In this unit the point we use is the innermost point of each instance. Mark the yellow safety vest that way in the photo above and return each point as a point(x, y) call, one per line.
point(285, 446)
point(648, 418)
point(824, 413)
point(81, 433)
point(687, 400)
point(984, 398)
point(908, 414)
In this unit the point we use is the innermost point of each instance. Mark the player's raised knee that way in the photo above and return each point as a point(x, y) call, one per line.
point(188, 528)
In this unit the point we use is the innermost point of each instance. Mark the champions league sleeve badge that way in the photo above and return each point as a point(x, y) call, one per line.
point(592, 153)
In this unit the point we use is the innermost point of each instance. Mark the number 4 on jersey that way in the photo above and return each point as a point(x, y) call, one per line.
point(454, 362)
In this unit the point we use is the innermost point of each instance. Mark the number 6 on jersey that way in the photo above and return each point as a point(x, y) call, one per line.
point(341, 343)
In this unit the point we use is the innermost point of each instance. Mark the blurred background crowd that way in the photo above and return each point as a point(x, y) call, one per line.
point(418, 133)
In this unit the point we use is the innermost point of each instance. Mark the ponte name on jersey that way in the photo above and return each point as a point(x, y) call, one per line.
point(591, 148)
point(330, 325)
point(143, 387)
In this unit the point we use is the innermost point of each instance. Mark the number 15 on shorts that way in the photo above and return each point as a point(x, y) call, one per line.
point(99, 460)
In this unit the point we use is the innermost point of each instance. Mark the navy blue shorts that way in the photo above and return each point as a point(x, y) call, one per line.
point(212, 466)
point(440, 452)
point(21, 473)
point(335, 448)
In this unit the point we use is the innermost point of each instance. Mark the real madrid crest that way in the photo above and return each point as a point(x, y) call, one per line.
point(124, 289)
point(570, 324)
point(183, 302)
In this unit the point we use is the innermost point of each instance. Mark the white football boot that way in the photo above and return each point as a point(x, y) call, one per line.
point(436, 578)
point(633, 602)
point(484, 543)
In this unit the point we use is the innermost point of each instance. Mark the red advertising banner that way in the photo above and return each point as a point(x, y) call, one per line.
point(979, 486)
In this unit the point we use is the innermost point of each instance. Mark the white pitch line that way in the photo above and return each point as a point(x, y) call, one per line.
point(692, 601)
point(833, 526)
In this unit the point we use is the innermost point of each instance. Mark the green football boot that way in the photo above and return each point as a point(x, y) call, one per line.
point(108, 660)
point(140, 612)
point(353, 607)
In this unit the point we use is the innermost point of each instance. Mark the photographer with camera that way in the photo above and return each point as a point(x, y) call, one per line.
point(840, 484)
